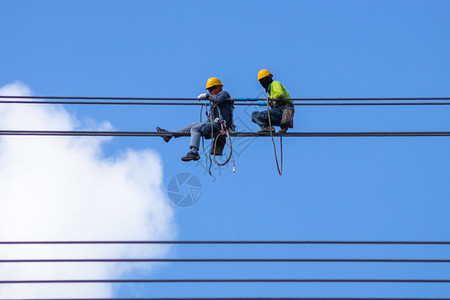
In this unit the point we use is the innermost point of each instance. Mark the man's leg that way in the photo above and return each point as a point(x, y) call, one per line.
point(260, 118)
point(195, 136)
point(195, 131)
point(186, 129)
point(275, 116)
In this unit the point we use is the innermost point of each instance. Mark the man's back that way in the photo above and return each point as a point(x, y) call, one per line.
point(224, 104)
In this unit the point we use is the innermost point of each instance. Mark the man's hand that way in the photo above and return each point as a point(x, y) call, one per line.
point(272, 103)
point(203, 96)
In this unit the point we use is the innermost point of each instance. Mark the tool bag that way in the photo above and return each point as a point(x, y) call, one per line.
point(218, 145)
point(287, 118)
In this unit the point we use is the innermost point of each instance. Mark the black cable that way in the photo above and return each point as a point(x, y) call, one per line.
point(100, 103)
point(235, 134)
point(240, 298)
point(237, 99)
point(368, 104)
point(219, 260)
point(237, 103)
point(101, 98)
point(372, 104)
point(371, 99)
point(248, 242)
point(289, 280)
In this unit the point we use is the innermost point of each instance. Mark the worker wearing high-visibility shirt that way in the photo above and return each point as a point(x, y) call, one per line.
point(276, 91)
point(220, 114)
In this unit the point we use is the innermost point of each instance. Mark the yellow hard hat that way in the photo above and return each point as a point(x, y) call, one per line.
point(213, 81)
point(263, 73)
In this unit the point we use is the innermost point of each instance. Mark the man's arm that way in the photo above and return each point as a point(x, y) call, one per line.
point(219, 98)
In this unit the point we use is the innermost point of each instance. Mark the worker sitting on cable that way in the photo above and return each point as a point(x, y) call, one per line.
point(220, 117)
point(276, 91)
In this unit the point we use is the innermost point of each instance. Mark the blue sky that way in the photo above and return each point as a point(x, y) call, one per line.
point(331, 188)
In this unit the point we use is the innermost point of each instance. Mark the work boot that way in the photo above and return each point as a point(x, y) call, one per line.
point(165, 137)
point(266, 129)
point(283, 130)
point(191, 156)
point(219, 145)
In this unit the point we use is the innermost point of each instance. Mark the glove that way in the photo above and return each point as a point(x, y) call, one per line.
point(203, 96)
point(272, 103)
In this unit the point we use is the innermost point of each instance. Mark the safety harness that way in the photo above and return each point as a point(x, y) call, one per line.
point(224, 131)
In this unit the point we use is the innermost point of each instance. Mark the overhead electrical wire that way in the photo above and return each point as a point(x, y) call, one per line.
point(237, 99)
point(233, 134)
point(230, 260)
point(237, 104)
point(230, 242)
point(240, 298)
point(275, 280)
point(224, 260)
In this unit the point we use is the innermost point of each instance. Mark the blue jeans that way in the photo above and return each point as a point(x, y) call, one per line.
point(262, 119)
point(198, 130)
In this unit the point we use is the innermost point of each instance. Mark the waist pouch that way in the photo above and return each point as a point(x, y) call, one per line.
point(287, 118)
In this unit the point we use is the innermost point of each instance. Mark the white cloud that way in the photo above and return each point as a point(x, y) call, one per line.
point(63, 188)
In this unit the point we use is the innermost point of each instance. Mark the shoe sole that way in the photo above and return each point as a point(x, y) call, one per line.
point(195, 159)
point(264, 132)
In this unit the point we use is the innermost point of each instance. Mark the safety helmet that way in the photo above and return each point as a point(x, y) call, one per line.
point(213, 81)
point(263, 73)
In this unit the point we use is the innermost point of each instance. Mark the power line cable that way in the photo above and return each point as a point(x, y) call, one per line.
point(226, 260)
point(237, 104)
point(234, 134)
point(99, 103)
point(230, 242)
point(235, 99)
point(241, 298)
point(287, 280)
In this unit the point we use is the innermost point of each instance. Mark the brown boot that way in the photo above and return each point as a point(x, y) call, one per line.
point(283, 130)
point(165, 137)
point(266, 130)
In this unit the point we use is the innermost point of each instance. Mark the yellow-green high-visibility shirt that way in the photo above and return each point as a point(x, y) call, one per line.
point(278, 91)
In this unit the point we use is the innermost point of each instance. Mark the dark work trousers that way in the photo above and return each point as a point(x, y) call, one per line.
point(262, 119)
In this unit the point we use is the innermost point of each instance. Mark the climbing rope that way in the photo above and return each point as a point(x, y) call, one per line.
point(227, 133)
point(280, 171)
point(203, 139)
point(212, 138)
